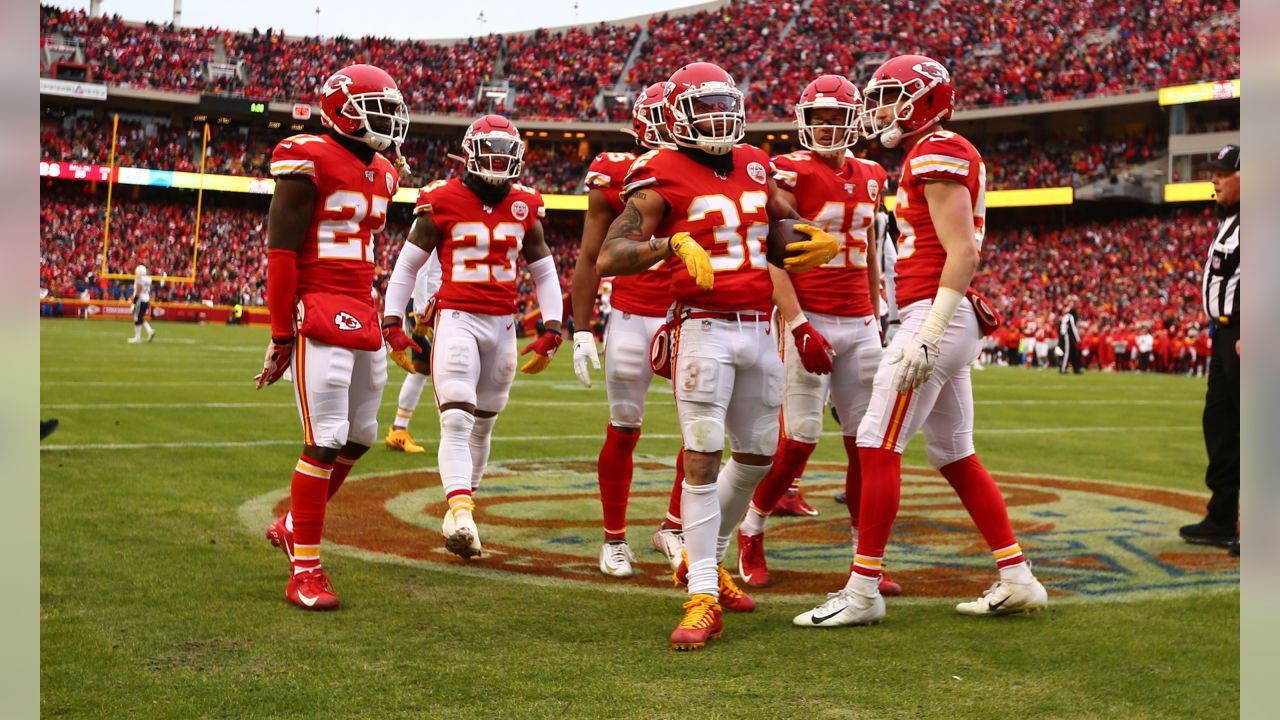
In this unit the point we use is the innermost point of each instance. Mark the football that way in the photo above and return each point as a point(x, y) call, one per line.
point(781, 234)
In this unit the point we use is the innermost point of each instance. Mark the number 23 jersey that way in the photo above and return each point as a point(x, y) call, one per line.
point(725, 214)
point(351, 209)
point(479, 244)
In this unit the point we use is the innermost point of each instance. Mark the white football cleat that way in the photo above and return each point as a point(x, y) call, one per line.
point(670, 543)
point(616, 559)
point(461, 536)
point(844, 607)
point(1004, 598)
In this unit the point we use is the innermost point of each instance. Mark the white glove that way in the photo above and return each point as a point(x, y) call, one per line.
point(915, 362)
point(584, 348)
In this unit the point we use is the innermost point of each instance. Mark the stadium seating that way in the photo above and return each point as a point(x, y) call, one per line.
point(1002, 53)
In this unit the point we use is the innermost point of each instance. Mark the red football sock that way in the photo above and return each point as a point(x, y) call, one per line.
point(614, 470)
point(341, 469)
point(308, 494)
point(672, 522)
point(799, 472)
point(788, 462)
point(852, 479)
point(985, 504)
point(881, 492)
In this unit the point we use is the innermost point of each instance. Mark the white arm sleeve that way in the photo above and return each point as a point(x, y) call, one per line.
point(400, 286)
point(546, 283)
point(427, 283)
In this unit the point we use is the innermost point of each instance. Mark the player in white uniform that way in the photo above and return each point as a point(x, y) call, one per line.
point(424, 291)
point(141, 304)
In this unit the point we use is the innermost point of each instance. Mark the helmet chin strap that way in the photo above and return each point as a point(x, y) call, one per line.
point(893, 135)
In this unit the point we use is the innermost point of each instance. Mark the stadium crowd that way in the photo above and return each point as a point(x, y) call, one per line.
point(1136, 283)
point(1007, 52)
point(1134, 278)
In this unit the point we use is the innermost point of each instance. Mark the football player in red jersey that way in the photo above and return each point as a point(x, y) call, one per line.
point(331, 198)
point(833, 344)
point(709, 203)
point(640, 303)
point(415, 362)
point(923, 382)
point(478, 224)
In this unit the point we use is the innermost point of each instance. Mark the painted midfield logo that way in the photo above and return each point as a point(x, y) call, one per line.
point(1090, 540)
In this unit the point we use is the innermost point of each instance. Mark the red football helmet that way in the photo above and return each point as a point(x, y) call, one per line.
point(917, 88)
point(363, 102)
point(705, 109)
point(493, 150)
point(649, 119)
point(835, 92)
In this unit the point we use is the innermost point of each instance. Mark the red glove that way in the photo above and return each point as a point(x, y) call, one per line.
point(279, 355)
point(398, 344)
point(815, 351)
point(544, 348)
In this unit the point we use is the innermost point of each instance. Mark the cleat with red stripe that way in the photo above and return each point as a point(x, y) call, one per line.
point(311, 590)
point(794, 505)
point(752, 567)
point(702, 622)
point(280, 537)
point(732, 598)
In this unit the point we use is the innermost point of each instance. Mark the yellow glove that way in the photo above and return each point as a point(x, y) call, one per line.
point(695, 259)
point(817, 250)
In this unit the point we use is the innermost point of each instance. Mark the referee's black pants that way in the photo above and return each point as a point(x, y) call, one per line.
point(1222, 428)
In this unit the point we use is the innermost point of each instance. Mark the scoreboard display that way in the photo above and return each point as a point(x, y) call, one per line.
point(230, 105)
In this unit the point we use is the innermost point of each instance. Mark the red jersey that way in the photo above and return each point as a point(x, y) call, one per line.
point(940, 155)
point(725, 214)
point(479, 244)
point(649, 293)
point(351, 208)
point(843, 202)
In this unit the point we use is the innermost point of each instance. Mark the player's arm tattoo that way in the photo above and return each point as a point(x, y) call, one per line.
point(424, 232)
point(629, 246)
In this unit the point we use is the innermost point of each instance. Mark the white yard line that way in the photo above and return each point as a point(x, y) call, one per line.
point(593, 436)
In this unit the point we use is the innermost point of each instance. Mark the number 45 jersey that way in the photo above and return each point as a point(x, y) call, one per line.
point(725, 213)
point(351, 209)
point(479, 244)
point(844, 204)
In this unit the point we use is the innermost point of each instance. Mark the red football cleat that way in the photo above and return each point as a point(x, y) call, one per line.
point(793, 505)
point(311, 590)
point(732, 598)
point(702, 622)
point(751, 563)
point(280, 537)
point(889, 587)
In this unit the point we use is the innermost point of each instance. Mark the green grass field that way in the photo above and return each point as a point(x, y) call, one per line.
point(160, 598)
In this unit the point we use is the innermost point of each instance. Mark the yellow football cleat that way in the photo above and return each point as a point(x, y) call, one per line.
point(400, 440)
point(701, 622)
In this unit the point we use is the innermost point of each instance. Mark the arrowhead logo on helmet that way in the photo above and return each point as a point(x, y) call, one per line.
point(363, 103)
point(906, 96)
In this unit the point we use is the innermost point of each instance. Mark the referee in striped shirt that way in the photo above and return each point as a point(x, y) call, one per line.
point(1220, 292)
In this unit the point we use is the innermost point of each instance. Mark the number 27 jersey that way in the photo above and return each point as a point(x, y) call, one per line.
point(479, 245)
point(351, 209)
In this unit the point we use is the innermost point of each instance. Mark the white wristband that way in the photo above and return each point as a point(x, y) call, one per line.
point(944, 307)
point(796, 321)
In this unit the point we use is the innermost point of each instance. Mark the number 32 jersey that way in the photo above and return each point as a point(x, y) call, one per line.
point(724, 213)
point(351, 209)
point(479, 245)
